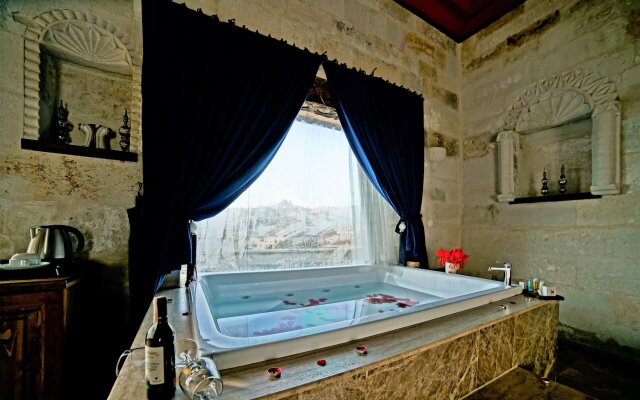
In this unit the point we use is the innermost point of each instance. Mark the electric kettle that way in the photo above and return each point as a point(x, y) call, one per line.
point(53, 242)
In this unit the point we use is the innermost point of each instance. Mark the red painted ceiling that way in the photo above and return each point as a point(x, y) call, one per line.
point(460, 19)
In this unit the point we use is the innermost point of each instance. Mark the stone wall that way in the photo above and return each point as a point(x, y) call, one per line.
point(588, 248)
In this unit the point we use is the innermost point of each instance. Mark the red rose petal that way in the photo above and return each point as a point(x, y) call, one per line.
point(274, 372)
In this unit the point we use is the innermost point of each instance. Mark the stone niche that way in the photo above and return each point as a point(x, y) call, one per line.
point(86, 62)
point(572, 119)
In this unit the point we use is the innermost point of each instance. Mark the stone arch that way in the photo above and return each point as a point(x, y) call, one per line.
point(555, 101)
point(83, 38)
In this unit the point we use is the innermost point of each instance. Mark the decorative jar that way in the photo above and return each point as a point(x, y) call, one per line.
point(451, 268)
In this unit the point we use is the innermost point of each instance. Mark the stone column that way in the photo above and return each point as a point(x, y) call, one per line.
point(605, 150)
point(507, 170)
point(31, 76)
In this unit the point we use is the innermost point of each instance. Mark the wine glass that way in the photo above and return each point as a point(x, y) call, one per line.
point(185, 346)
point(199, 377)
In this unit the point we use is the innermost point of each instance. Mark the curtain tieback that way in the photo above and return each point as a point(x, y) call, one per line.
point(401, 226)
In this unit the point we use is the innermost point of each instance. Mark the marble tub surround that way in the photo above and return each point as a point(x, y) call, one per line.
point(444, 358)
point(448, 367)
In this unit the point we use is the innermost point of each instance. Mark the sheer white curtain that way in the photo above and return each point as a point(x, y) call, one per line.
point(311, 207)
point(375, 222)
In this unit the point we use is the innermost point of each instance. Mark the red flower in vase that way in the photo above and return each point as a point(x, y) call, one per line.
point(453, 256)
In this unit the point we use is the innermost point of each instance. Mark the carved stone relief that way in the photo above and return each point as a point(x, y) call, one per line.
point(552, 108)
point(319, 114)
point(84, 42)
point(83, 39)
point(556, 101)
point(318, 108)
point(598, 91)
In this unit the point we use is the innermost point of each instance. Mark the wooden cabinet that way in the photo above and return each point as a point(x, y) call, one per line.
point(38, 324)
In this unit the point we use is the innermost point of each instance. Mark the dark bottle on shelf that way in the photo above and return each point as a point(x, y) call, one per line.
point(545, 189)
point(159, 354)
point(563, 181)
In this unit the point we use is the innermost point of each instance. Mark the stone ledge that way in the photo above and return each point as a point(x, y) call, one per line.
point(37, 145)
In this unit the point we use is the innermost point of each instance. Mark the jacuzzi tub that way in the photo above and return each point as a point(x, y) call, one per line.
point(245, 317)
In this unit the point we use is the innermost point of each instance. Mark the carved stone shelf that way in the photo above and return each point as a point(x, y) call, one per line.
point(543, 110)
point(38, 145)
point(90, 64)
point(555, 197)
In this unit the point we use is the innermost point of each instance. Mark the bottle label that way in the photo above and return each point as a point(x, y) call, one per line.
point(154, 365)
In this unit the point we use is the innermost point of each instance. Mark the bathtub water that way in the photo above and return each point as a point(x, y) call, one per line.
point(246, 317)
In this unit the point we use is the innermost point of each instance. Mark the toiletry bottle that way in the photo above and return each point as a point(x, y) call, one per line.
point(159, 354)
point(530, 285)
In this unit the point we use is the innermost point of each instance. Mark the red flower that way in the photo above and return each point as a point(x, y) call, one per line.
point(453, 256)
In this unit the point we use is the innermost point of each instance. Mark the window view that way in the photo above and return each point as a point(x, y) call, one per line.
point(311, 207)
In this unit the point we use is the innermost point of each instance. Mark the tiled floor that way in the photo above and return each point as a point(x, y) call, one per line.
point(581, 374)
point(599, 375)
point(520, 384)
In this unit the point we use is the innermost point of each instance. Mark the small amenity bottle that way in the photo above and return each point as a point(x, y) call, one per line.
point(159, 354)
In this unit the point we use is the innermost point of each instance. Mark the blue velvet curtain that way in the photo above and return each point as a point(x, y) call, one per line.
point(384, 126)
point(218, 101)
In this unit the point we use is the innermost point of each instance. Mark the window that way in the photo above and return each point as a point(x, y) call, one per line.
point(311, 207)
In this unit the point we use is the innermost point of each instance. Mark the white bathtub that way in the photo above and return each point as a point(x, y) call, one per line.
point(219, 302)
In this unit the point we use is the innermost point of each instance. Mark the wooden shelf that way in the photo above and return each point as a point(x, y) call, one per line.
point(49, 147)
point(555, 197)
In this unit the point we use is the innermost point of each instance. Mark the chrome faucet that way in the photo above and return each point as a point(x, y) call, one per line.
point(507, 272)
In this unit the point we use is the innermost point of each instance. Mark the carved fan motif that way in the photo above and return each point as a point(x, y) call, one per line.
point(87, 41)
point(552, 108)
point(601, 92)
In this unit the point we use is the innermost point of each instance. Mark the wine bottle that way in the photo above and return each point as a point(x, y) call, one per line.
point(159, 354)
